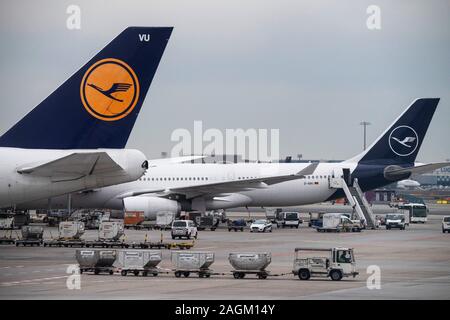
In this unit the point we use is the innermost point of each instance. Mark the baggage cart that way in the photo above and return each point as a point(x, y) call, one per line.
point(138, 262)
point(96, 261)
point(250, 263)
point(186, 263)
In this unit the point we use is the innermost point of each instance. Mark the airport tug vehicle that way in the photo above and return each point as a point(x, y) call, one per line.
point(335, 263)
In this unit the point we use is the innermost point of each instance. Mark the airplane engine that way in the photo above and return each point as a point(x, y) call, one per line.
point(150, 206)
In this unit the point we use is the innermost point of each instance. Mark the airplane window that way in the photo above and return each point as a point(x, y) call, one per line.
point(206, 178)
point(189, 178)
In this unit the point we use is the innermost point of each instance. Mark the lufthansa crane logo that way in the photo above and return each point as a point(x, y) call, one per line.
point(403, 141)
point(109, 89)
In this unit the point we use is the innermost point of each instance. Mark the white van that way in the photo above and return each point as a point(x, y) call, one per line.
point(184, 228)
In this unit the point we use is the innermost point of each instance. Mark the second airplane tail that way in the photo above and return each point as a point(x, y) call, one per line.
point(401, 142)
point(98, 105)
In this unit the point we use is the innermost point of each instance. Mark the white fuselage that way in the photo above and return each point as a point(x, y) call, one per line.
point(16, 188)
point(312, 189)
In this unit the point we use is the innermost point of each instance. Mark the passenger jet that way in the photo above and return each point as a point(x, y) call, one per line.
point(175, 187)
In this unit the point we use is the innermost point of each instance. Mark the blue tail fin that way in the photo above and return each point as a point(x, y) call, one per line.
point(97, 106)
point(401, 142)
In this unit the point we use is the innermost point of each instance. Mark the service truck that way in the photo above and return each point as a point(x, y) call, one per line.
point(288, 220)
point(334, 263)
point(337, 222)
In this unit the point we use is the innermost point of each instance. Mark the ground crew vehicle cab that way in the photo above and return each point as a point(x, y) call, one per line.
point(184, 228)
point(335, 263)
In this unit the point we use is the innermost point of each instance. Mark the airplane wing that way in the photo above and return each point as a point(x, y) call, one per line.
point(218, 188)
point(417, 169)
point(73, 167)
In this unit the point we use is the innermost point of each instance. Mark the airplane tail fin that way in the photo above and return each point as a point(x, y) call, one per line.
point(401, 142)
point(99, 104)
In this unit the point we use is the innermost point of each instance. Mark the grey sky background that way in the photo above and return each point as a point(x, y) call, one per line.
point(310, 68)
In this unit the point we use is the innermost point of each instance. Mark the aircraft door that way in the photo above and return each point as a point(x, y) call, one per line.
point(347, 176)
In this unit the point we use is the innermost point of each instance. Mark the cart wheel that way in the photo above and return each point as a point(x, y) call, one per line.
point(242, 275)
point(17, 244)
point(262, 276)
point(136, 273)
point(186, 274)
point(200, 275)
point(123, 273)
point(155, 274)
point(177, 274)
point(145, 273)
point(111, 272)
point(208, 275)
point(81, 271)
point(96, 271)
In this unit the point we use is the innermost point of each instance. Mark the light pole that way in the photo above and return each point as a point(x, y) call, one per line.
point(365, 124)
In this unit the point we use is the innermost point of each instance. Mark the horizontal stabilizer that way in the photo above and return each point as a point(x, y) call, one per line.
point(393, 173)
point(73, 166)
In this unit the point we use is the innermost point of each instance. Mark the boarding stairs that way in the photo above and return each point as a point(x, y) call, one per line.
point(357, 200)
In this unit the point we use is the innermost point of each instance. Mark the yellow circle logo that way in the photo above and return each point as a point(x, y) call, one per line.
point(109, 89)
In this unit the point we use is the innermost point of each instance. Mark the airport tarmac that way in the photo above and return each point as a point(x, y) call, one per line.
point(415, 264)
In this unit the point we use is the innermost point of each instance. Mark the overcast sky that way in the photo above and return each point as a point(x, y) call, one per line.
point(310, 68)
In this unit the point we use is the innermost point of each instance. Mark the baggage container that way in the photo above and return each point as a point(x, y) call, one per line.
point(196, 262)
point(71, 229)
point(133, 218)
point(96, 260)
point(110, 230)
point(32, 232)
point(139, 261)
point(31, 235)
point(250, 263)
point(164, 220)
point(250, 260)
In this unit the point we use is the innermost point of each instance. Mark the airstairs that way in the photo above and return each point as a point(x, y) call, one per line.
point(357, 200)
